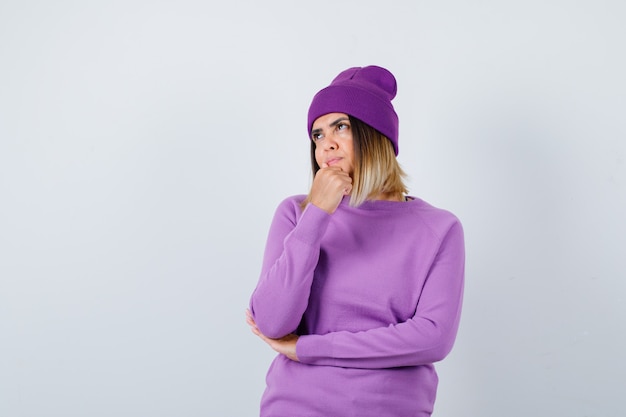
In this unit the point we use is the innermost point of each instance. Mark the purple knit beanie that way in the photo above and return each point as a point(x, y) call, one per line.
point(364, 93)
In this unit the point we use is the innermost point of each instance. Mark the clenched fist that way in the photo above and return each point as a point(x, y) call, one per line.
point(329, 186)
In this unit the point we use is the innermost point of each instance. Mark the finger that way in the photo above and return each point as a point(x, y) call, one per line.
point(250, 321)
point(249, 316)
point(253, 327)
point(326, 167)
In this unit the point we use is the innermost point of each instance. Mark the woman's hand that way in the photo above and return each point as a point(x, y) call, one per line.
point(285, 345)
point(329, 186)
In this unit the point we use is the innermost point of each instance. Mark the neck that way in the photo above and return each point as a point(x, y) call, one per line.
point(390, 197)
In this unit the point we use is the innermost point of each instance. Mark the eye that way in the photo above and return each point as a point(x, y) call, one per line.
point(315, 137)
point(342, 126)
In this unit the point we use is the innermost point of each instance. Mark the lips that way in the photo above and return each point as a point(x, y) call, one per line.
point(332, 161)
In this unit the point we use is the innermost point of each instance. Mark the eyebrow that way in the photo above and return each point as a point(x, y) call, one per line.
point(333, 124)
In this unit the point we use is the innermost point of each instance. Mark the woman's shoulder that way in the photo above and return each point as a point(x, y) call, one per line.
point(437, 218)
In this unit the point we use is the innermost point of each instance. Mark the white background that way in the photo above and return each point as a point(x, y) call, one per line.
point(144, 146)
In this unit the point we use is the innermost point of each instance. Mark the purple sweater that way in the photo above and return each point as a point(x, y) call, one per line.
point(375, 293)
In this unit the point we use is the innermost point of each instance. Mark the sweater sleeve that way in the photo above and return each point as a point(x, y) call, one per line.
point(291, 255)
point(425, 338)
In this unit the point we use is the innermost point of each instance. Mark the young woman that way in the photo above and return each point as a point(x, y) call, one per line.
point(361, 285)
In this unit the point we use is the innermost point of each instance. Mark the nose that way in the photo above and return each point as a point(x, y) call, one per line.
point(330, 142)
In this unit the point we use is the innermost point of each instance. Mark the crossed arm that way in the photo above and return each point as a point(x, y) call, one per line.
point(425, 338)
point(285, 345)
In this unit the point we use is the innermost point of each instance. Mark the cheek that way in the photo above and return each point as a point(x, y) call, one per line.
point(352, 163)
point(350, 153)
point(350, 168)
point(318, 156)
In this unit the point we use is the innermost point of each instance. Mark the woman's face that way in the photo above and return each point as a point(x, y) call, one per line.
point(332, 136)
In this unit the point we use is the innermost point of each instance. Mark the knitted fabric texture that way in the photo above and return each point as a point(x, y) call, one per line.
point(364, 93)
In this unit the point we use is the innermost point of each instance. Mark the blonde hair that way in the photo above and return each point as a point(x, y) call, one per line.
point(376, 171)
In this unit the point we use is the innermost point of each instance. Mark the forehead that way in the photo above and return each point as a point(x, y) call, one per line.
point(327, 119)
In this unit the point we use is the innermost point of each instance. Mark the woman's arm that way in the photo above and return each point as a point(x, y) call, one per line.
point(285, 345)
point(425, 338)
point(291, 255)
